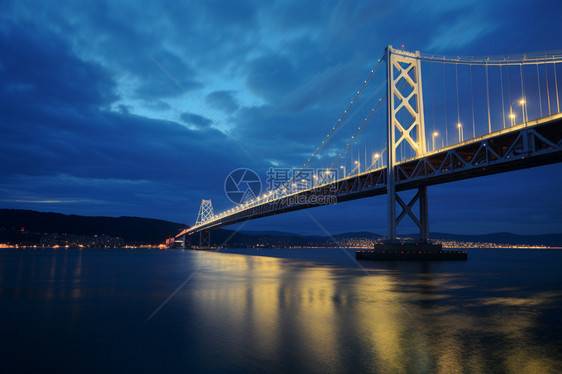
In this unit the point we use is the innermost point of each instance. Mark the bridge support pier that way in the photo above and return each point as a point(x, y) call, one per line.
point(187, 241)
point(422, 222)
point(424, 215)
point(205, 238)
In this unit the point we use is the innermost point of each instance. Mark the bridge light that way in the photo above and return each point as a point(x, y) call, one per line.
point(522, 102)
point(435, 134)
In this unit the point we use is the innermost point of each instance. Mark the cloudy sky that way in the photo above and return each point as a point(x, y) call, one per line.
point(134, 108)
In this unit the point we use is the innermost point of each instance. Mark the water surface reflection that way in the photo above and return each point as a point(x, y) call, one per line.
point(282, 311)
point(329, 318)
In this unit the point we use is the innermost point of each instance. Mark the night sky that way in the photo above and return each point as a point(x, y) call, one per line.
point(90, 123)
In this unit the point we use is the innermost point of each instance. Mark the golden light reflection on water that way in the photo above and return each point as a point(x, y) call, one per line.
point(297, 315)
point(383, 322)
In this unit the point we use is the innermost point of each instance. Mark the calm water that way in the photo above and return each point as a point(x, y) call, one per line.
point(278, 311)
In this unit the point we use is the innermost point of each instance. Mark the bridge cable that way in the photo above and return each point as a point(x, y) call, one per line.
point(457, 86)
point(361, 129)
point(367, 101)
point(295, 176)
point(358, 133)
point(353, 138)
point(503, 103)
point(554, 56)
point(539, 89)
point(547, 88)
point(365, 156)
point(472, 99)
point(509, 99)
point(488, 101)
point(351, 154)
point(432, 98)
point(556, 84)
point(523, 98)
point(445, 105)
point(375, 161)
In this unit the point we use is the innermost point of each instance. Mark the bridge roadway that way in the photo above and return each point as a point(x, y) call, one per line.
point(530, 144)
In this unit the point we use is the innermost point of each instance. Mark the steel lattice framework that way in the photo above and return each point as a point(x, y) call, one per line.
point(408, 67)
point(205, 212)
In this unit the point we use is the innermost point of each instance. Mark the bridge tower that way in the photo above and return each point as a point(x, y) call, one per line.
point(405, 126)
point(205, 214)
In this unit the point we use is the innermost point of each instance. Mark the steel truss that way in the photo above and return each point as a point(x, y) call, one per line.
point(205, 212)
point(533, 144)
point(202, 239)
point(405, 93)
point(521, 146)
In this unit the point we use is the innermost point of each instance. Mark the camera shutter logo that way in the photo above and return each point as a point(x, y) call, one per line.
point(242, 185)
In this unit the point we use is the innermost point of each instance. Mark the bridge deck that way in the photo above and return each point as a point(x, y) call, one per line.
point(526, 145)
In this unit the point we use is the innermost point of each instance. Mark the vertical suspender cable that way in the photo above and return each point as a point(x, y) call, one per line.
point(509, 97)
point(523, 98)
point(503, 103)
point(547, 88)
point(556, 84)
point(488, 100)
point(457, 84)
point(445, 99)
point(472, 99)
point(539, 89)
point(432, 97)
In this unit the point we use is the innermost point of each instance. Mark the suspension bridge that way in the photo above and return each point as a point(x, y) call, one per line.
point(479, 116)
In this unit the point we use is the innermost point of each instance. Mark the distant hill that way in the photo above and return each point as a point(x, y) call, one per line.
point(55, 228)
point(272, 233)
point(285, 239)
point(132, 230)
point(279, 239)
point(358, 235)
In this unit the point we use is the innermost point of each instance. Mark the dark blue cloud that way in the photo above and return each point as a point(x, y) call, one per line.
point(38, 66)
point(223, 100)
point(272, 76)
point(195, 119)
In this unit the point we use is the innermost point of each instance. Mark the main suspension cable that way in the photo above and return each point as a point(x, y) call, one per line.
point(353, 138)
point(295, 176)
